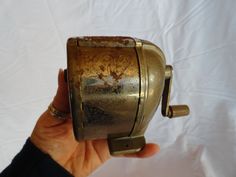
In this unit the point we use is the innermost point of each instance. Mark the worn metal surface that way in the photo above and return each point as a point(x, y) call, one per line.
point(115, 86)
point(152, 78)
point(104, 80)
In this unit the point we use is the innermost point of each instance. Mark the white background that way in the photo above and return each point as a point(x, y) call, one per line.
point(198, 39)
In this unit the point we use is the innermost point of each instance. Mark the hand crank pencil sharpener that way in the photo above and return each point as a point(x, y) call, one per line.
point(115, 86)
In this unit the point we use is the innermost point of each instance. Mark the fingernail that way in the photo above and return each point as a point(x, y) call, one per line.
point(60, 70)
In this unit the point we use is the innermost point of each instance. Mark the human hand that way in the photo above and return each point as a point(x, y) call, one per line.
point(55, 137)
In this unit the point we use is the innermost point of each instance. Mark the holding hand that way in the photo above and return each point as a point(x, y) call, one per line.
point(55, 137)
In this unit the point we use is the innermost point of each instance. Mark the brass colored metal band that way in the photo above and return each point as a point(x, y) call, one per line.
point(142, 89)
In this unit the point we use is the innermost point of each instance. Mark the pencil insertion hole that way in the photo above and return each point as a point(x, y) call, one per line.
point(126, 145)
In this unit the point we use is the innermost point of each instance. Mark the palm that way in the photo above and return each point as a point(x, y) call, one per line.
point(56, 138)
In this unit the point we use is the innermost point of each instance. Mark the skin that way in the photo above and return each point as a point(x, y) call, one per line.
point(55, 137)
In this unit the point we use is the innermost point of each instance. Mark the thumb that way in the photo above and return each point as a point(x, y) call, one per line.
point(60, 103)
point(47, 124)
point(61, 99)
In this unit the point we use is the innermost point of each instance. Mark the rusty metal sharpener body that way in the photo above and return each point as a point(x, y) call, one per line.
point(115, 86)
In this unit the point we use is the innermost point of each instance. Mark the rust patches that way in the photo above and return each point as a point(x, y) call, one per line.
point(77, 85)
point(112, 41)
point(102, 67)
point(100, 76)
point(80, 72)
point(115, 75)
point(120, 39)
